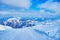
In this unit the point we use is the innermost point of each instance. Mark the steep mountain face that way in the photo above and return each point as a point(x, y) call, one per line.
point(18, 23)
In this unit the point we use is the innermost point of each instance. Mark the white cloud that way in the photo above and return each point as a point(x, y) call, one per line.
point(47, 8)
point(42, 14)
point(18, 3)
point(54, 6)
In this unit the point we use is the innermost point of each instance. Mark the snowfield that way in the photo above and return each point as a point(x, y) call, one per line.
point(42, 31)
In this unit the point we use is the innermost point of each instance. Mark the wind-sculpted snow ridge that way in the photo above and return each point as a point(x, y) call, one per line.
point(2, 27)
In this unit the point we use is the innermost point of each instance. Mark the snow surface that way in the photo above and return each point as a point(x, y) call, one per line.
point(42, 31)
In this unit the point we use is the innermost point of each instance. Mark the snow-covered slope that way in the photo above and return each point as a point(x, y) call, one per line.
point(47, 31)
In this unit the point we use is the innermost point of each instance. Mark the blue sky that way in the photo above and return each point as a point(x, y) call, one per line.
point(33, 5)
point(42, 8)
